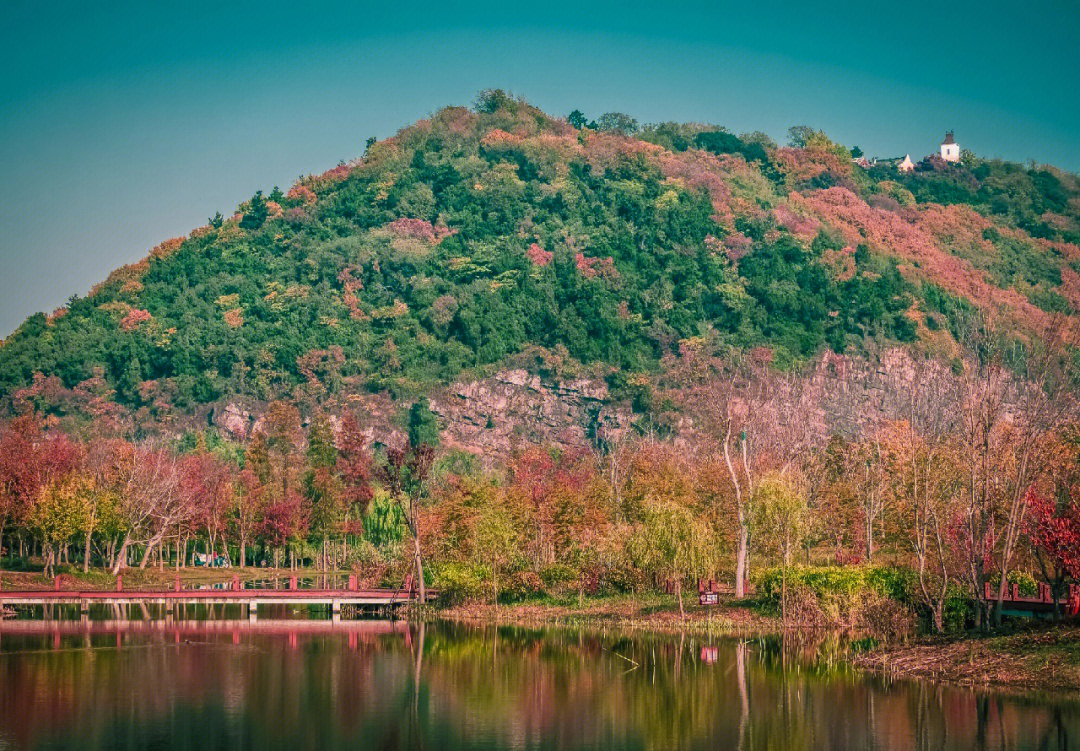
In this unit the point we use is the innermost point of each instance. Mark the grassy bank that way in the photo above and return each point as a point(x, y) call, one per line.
point(1035, 656)
point(650, 611)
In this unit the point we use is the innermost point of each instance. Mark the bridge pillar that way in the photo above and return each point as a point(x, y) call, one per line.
point(335, 611)
point(253, 611)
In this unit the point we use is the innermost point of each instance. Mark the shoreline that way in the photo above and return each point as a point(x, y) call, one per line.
point(1045, 657)
point(1029, 658)
point(1032, 658)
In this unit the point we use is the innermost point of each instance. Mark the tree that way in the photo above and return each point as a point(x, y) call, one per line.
point(1053, 532)
point(781, 513)
point(321, 485)
point(577, 119)
point(284, 523)
point(249, 502)
point(423, 425)
point(406, 473)
point(669, 540)
point(31, 458)
point(490, 101)
point(800, 135)
point(495, 539)
point(208, 484)
point(354, 464)
point(256, 212)
point(282, 431)
point(617, 122)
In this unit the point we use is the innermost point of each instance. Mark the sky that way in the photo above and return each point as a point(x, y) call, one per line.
point(125, 124)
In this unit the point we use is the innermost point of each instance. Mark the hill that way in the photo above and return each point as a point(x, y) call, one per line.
point(485, 253)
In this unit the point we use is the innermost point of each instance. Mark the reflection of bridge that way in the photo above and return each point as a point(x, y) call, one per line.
point(235, 594)
point(275, 627)
point(295, 632)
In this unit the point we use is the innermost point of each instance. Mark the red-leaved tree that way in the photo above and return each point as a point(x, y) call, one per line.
point(1053, 531)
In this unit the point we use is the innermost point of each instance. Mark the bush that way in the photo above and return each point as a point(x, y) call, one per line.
point(559, 577)
point(520, 585)
point(621, 579)
point(1028, 586)
point(874, 599)
point(460, 582)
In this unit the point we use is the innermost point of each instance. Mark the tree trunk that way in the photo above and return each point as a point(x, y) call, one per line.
point(419, 569)
point(86, 554)
point(740, 561)
point(150, 545)
point(121, 554)
point(678, 593)
point(50, 566)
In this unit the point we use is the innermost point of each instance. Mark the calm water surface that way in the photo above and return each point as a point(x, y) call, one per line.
point(372, 684)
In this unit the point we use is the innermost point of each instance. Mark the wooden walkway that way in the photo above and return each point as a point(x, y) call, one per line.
point(235, 594)
point(1043, 602)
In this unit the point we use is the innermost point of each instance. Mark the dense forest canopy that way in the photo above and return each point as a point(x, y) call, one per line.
point(477, 234)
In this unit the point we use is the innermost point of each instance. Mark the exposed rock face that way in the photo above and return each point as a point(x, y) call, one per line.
point(490, 417)
point(493, 416)
point(233, 420)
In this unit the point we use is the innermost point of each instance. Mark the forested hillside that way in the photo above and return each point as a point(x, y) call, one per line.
point(478, 235)
point(515, 354)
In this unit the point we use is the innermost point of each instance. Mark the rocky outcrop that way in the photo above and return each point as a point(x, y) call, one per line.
point(233, 420)
point(493, 416)
point(489, 417)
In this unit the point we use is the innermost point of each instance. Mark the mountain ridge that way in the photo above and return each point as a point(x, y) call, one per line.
point(484, 241)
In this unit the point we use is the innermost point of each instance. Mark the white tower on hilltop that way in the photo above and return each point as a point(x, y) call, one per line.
point(950, 149)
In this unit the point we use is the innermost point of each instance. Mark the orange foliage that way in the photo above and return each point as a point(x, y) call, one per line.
point(905, 236)
point(134, 317)
point(167, 248)
point(538, 255)
point(302, 193)
point(234, 317)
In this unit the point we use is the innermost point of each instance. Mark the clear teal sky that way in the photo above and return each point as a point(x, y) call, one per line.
point(124, 126)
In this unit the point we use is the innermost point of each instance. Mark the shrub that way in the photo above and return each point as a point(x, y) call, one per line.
point(459, 582)
point(559, 577)
point(520, 585)
point(874, 599)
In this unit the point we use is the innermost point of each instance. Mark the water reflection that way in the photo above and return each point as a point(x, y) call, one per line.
point(390, 685)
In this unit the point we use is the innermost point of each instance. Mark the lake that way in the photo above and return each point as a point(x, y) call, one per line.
point(308, 684)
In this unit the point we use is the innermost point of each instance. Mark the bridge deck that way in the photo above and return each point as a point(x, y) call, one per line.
point(251, 597)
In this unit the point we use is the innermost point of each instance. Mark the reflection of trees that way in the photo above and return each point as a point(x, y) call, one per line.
point(442, 686)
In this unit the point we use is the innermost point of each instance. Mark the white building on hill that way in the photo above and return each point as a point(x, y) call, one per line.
point(950, 149)
point(907, 165)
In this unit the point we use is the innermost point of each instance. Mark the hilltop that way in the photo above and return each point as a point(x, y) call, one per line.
point(526, 271)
